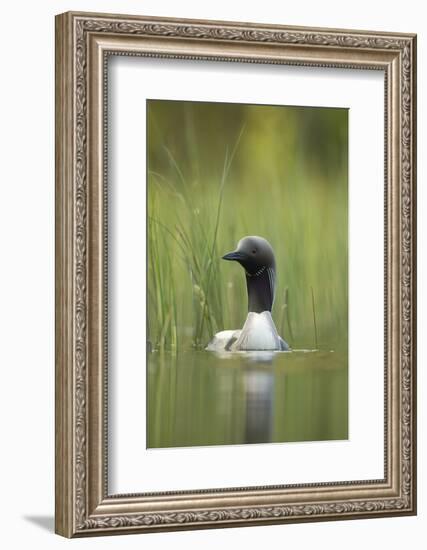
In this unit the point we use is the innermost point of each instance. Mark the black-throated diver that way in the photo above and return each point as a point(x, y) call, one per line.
point(256, 256)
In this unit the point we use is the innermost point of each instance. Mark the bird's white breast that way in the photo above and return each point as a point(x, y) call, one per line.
point(258, 333)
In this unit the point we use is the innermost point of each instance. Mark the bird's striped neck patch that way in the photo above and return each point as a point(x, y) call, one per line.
point(257, 273)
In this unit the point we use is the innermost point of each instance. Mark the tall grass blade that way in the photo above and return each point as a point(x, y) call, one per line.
point(314, 319)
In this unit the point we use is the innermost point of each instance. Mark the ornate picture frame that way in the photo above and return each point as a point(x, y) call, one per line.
point(84, 42)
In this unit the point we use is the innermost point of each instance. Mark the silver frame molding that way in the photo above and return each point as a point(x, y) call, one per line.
point(83, 43)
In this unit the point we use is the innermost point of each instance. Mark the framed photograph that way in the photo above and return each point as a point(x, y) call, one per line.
point(235, 274)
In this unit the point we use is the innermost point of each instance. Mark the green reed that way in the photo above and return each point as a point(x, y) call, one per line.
point(197, 243)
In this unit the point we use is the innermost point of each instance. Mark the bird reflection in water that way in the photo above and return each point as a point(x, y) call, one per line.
point(258, 389)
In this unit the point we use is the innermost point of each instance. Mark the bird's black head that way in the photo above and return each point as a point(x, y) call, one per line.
point(256, 256)
point(253, 253)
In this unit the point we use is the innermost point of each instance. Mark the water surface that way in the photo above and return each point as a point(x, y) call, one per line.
point(198, 398)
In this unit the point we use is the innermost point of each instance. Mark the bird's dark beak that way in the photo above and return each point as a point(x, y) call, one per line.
point(234, 256)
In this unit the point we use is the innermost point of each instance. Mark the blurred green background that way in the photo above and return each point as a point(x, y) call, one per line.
point(217, 172)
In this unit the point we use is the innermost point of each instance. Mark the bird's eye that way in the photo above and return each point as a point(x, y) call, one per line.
point(254, 251)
